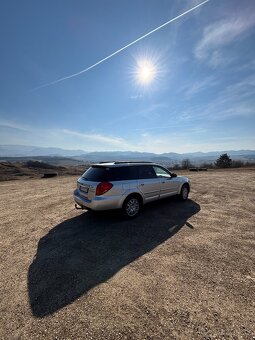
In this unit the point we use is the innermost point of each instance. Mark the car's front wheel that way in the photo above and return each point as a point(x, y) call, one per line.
point(131, 206)
point(184, 194)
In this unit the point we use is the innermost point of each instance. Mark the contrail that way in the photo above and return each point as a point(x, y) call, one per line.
point(120, 50)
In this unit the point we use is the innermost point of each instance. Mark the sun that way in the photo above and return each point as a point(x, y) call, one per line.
point(145, 72)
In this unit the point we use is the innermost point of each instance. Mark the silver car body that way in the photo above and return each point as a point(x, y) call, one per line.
point(149, 189)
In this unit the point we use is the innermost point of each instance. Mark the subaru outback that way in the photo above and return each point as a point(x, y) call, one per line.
point(127, 186)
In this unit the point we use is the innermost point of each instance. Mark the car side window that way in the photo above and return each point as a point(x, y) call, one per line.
point(123, 173)
point(133, 172)
point(160, 172)
point(146, 171)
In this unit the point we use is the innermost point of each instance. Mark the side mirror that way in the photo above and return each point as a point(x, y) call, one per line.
point(173, 175)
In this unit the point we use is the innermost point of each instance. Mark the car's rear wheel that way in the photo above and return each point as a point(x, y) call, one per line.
point(184, 194)
point(132, 206)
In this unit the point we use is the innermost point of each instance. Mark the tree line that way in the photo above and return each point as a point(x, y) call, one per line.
point(223, 162)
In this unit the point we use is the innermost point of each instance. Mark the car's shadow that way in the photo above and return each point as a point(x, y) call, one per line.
point(84, 251)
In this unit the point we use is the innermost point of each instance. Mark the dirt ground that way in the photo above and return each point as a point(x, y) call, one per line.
point(178, 271)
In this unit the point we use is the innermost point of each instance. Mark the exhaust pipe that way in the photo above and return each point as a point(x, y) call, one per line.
point(78, 207)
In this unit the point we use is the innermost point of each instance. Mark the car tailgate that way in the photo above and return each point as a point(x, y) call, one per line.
point(86, 189)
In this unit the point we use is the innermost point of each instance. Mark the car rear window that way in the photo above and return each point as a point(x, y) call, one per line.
point(104, 174)
point(96, 174)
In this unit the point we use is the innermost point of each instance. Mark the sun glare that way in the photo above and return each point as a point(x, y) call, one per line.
point(146, 72)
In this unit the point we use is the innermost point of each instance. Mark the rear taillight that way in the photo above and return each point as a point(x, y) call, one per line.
point(103, 187)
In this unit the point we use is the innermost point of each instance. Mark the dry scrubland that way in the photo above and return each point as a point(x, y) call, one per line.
point(19, 170)
point(178, 271)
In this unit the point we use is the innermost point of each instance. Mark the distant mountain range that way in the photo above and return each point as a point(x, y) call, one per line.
point(19, 151)
point(30, 151)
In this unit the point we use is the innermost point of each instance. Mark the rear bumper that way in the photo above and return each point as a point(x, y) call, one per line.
point(98, 202)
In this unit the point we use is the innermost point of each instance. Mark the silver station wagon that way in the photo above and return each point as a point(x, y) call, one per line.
point(127, 186)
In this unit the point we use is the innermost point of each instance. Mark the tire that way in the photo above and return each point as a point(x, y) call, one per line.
point(132, 206)
point(184, 194)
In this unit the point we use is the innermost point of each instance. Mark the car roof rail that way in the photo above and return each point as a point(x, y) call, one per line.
point(124, 162)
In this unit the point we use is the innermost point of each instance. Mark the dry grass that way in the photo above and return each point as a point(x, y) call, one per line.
point(19, 170)
point(178, 271)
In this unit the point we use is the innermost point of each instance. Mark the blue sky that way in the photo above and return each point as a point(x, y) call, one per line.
point(201, 98)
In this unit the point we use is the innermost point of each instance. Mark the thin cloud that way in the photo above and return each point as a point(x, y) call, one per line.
point(218, 59)
point(155, 128)
point(95, 137)
point(150, 113)
point(135, 97)
point(121, 49)
point(13, 125)
point(241, 91)
point(199, 86)
point(236, 100)
point(222, 33)
point(60, 136)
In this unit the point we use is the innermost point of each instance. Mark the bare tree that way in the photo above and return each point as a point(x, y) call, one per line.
point(186, 164)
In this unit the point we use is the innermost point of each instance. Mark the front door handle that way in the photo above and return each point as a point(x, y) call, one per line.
point(163, 182)
point(142, 184)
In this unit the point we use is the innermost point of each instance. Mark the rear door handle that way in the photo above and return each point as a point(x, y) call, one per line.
point(142, 184)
